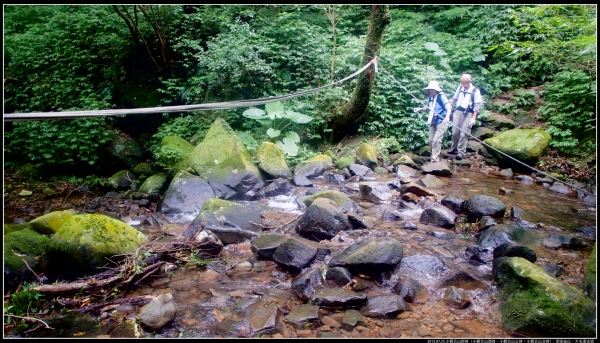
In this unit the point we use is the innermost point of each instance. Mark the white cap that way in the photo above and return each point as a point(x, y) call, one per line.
point(433, 85)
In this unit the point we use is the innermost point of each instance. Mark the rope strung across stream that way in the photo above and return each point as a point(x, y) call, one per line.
point(238, 104)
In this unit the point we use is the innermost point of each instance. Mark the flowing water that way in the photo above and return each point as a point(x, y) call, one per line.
point(211, 301)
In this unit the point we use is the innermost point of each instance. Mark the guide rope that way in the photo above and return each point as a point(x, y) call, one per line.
point(487, 145)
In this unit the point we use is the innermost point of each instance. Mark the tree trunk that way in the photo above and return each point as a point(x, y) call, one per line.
point(348, 117)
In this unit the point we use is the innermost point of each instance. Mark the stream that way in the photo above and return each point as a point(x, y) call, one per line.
point(211, 300)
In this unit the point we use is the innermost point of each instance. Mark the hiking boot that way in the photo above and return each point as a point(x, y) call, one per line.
point(452, 151)
point(460, 156)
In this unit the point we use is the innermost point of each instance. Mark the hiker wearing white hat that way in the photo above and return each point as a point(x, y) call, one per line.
point(439, 117)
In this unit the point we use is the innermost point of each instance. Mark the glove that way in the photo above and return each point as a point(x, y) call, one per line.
point(416, 109)
point(472, 122)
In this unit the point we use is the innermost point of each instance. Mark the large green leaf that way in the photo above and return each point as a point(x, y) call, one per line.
point(289, 147)
point(273, 133)
point(254, 113)
point(293, 136)
point(297, 117)
point(478, 58)
point(431, 46)
point(440, 53)
point(275, 109)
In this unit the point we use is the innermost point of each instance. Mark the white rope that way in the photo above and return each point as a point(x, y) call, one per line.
point(183, 108)
point(487, 145)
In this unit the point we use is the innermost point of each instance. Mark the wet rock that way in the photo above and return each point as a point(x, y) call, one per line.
point(410, 226)
point(436, 168)
point(155, 185)
point(384, 306)
point(159, 312)
point(464, 281)
point(351, 319)
point(360, 170)
point(508, 173)
point(371, 256)
point(302, 315)
point(562, 189)
point(403, 171)
point(265, 245)
point(524, 179)
point(426, 264)
point(510, 250)
point(366, 154)
point(544, 180)
point(416, 190)
point(380, 170)
point(411, 291)
point(271, 160)
point(49, 223)
point(456, 297)
point(305, 284)
point(473, 146)
point(302, 181)
point(410, 198)
point(342, 201)
point(440, 216)
point(485, 222)
point(335, 179)
point(339, 276)
point(275, 188)
point(389, 216)
point(405, 160)
point(376, 192)
point(440, 234)
point(587, 231)
point(314, 167)
point(516, 212)
point(482, 132)
point(230, 221)
point(121, 179)
point(265, 320)
point(479, 255)
point(322, 220)
point(19, 246)
point(589, 281)
point(357, 221)
point(209, 242)
point(539, 305)
point(430, 181)
point(297, 253)
point(229, 328)
point(186, 194)
point(337, 298)
point(554, 270)
point(557, 241)
point(481, 205)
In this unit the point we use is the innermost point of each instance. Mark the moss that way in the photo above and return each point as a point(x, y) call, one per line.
point(176, 144)
point(271, 159)
point(338, 197)
point(344, 162)
point(589, 282)
point(366, 154)
point(154, 184)
point(49, 223)
point(217, 206)
point(26, 241)
point(89, 239)
point(8, 228)
point(522, 144)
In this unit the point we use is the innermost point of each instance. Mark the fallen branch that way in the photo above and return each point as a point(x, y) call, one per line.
point(73, 287)
point(30, 319)
point(102, 306)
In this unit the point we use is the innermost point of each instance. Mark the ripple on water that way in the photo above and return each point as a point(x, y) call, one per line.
point(284, 202)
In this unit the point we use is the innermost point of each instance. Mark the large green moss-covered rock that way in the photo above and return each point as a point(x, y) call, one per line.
point(125, 149)
point(314, 167)
point(225, 162)
point(154, 185)
point(345, 161)
point(271, 159)
point(526, 145)
point(536, 304)
point(8, 228)
point(84, 242)
point(49, 223)
point(589, 282)
point(174, 153)
point(342, 201)
point(122, 179)
point(21, 245)
point(366, 154)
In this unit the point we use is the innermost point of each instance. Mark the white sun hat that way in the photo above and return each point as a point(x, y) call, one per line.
point(433, 85)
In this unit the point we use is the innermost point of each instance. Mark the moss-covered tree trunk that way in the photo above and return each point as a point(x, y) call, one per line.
point(347, 118)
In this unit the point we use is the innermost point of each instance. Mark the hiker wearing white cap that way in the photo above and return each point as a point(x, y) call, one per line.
point(439, 117)
point(468, 102)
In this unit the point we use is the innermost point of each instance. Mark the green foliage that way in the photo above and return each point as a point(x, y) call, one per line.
point(49, 142)
point(24, 302)
point(570, 112)
point(278, 119)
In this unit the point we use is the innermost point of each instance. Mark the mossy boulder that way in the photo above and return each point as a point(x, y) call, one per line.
point(8, 228)
point(366, 154)
point(344, 162)
point(537, 304)
point(482, 132)
point(342, 201)
point(405, 160)
point(86, 241)
point(174, 153)
point(226, 164)
point(125, 149)
point(589, 282)
point(271, 159)
point(49, 223)
point(22, 245)
point(154, 185)
point(314, 167)
point(122, 179)
point(186, 194)
point(526, 145)
point(498, 122)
